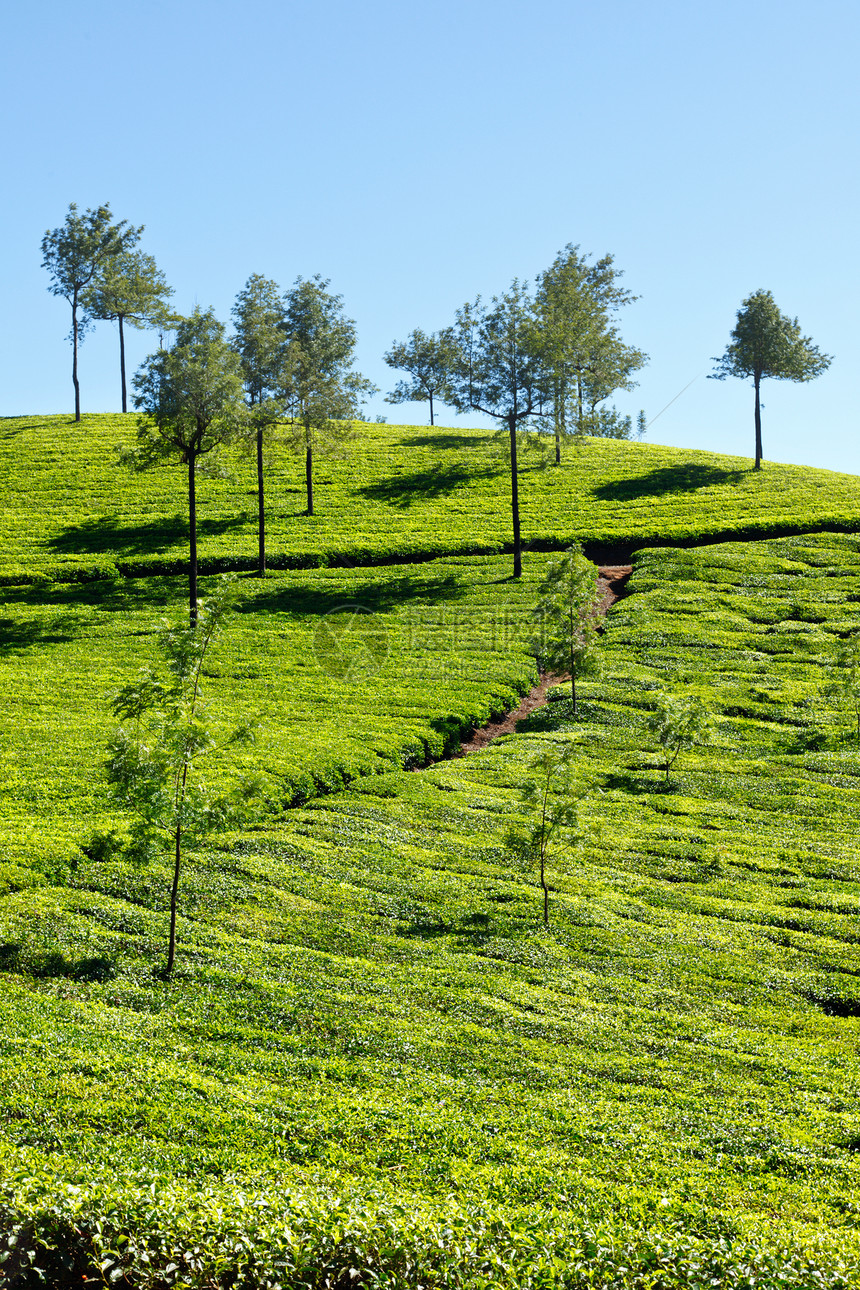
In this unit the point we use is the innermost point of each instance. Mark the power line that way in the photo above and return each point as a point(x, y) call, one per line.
point(672, 400)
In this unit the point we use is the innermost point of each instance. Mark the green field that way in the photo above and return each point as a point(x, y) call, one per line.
point(68, 510)
point(374, 1066)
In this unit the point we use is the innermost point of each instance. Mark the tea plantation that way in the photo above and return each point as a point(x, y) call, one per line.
point(374, 1066)
point(68, 511)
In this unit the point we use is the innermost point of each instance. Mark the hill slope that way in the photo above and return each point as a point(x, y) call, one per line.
point(374, 1058)
point(69, 510)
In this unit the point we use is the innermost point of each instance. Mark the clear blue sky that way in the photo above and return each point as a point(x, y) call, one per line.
point(417, 155)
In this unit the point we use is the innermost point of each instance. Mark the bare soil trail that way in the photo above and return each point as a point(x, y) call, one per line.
point(612, 580)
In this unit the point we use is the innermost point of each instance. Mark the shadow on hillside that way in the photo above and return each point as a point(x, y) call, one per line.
point(48, 963)
point(21, 633)
point(106, 536)
point(471, 929)
point(667, 479)
point(425, 485)
point(122, 595)
point(374, 597)
point(450, 439)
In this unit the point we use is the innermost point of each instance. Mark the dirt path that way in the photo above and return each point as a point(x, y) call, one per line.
point(611, 579)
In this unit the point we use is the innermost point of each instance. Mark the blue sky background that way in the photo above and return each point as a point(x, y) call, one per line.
point(417, 155)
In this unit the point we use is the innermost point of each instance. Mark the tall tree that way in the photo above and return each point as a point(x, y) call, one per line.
point(129, 288)
point(767, 343)
point(73, 255)
point(191, 400)
point(576, 301)
point(323, 393)
point(258, 316)
point(427, 360)
point(499, 367)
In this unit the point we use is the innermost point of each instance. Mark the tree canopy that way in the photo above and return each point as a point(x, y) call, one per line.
point(73, 255)
point(260, 342)
point(499, 367)
point(129, 288)
point(191, 400)
point(766, 343)
point(323, 394)
point(427, 360)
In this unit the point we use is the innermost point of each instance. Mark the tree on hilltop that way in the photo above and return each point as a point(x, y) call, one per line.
point(767, 343)
point(73, 255)
point(129, 288)
point(191, 400)
point(260, 342)
point(322, 393)
point(427, 360)
point(499, 367)
point(587, 358)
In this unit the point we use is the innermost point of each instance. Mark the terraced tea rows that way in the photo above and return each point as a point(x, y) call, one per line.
point(69, 510)
point(375, 1058)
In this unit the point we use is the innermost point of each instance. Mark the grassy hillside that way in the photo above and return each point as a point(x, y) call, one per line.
point(376, 1068)
point(69, 510)
point(439, 648)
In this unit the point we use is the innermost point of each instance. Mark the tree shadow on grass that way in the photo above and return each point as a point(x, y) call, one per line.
point(667, 479)
point(21, 633)
point(374, 597)
point(443, 441)
point(106, 536)
point(50, 963)
point(425, 485)
point(470, 929)
point(121, 595)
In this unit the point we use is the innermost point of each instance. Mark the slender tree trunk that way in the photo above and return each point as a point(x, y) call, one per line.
point(75, 358)
point(261, 508)
point(309, 478)
point(122, 363)
point(758, 452)
point(515, 500)
point(545, 889)
point(572, 663)
point(431, 407)
point(192, 540)
point(579, 399)
point(177, 860)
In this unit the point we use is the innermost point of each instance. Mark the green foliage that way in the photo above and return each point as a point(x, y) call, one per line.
point(261, 345)
point(679, 722)
point(130, 288)
point(427, 360)
point(549, 797)
point(323, 394)
point(153, 764)
point(74, 255)
point(767, 343)
point(189, 395)
point(567, 618)
point(585, 357)
point(404, 492)
point(374, 1056)
point(844, 680)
